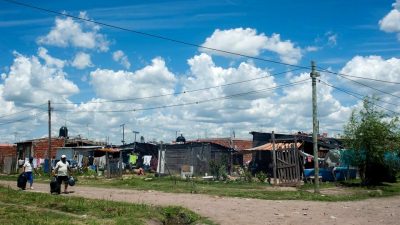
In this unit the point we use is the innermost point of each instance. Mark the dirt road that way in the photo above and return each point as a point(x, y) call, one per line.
point(224, 210)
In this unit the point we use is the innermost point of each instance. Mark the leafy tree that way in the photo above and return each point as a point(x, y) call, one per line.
point(369, 134)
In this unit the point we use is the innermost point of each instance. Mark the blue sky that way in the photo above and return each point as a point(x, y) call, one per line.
point(356, 37)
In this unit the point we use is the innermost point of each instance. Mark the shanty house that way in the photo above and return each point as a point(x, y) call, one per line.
point(262, 159)
point(8, 158)
point(194, 157)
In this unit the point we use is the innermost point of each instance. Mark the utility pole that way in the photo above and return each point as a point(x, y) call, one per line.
point(123, 133)
point(314, 76)
point(135, 132)
point(49, 149)
point(87, 127)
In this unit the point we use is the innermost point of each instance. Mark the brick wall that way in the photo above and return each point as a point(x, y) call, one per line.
point(7, 150)
point(247, 157)
point(40, 147)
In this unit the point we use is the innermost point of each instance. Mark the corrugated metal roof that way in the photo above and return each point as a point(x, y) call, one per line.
point(268, 147)
point(7, 145)
point(237, 144)
point(111, 150)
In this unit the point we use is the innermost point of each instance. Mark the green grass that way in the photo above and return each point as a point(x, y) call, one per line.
point(248, 190)
point(348, 191)
point(19, 207)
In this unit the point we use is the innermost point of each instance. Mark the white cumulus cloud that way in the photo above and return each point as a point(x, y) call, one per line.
point(50, 61)
point(82, 60)
point(150, 80)
point(391, 22)
point(374, 67)
point(120, 57)
point(68, 32)
point(30, 81)
point(248, 42)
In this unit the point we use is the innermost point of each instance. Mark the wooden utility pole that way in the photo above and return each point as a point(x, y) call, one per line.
point(274, 157)
point(135, 133)
point(314, 76)
point(49, 149)
point(123, 133)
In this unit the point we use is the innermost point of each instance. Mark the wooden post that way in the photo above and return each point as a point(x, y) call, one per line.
point(296, 159)
point(108, 166)
point(314, 76)
point(49, 147)
point(120, 163)
point(274, 158)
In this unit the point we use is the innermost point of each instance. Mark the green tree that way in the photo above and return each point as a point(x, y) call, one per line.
point(369, 134)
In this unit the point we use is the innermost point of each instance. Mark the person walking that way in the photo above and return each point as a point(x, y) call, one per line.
point(28, 170)
point(62, 170)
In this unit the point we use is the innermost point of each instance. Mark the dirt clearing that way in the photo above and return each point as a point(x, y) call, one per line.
point(226, 210)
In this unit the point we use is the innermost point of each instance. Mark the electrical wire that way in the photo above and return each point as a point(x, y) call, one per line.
point(184, 42)
point(30, 108)
point(191, 103)
point(358, 94)
point(376, 89)
point(20, 120)
point(347, 75)
point(179, 93)
point(150, 35)
point(355, 96)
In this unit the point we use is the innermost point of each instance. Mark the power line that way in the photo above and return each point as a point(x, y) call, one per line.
point(184, 42)
point(365, 78)
point(355, 96)
point(20, 120)
point(30, 108)
point(151, 35)
point(181, 92)
point(345, 76)
point(355, 93)
point(376, 89)
point(192, 103)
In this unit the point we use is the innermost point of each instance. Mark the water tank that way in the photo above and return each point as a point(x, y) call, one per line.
point(63, 132)
point(180, 139)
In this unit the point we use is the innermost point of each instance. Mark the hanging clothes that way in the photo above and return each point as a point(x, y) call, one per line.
point(153, 163)
point(133, 158)
point(35, 163)
point(80, 159)
point(91, 160)
point(102, 162)
point(147, 160)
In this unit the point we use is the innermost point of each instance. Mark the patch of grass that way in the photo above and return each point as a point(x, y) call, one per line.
point(250, 190)
point(348, 191)
point(19, 207)
point(14, 214)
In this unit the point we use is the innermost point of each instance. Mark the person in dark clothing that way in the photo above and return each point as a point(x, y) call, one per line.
point(62, 170)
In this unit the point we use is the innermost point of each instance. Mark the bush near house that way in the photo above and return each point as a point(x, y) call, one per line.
point(374, 140)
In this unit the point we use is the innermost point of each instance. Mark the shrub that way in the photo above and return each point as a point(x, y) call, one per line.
point(248, 177)
point(261, 176)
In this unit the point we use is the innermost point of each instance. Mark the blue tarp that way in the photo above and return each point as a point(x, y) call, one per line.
point(328, 174)
point(46, 166)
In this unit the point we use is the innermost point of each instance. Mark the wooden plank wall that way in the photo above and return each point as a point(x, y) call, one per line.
point(288, 169)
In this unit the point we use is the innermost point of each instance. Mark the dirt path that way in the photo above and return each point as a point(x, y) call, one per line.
point(225, 210)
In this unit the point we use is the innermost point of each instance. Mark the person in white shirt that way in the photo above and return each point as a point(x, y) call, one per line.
point(28, 169)
point(62, 170)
